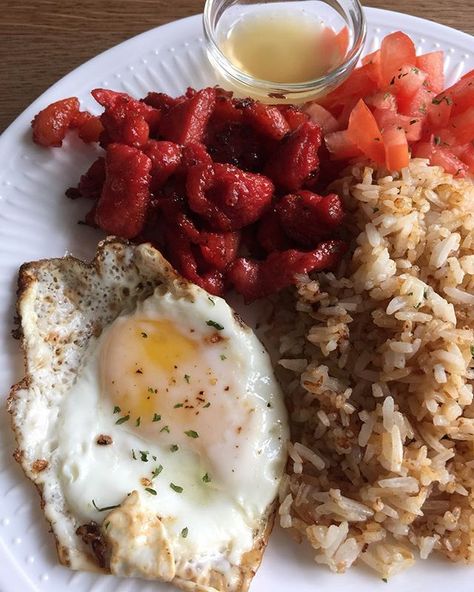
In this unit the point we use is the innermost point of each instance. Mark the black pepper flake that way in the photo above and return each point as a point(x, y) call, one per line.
point(206, 478)
point(117, 409)
point(104, 440)
point(138, 371)
point(174, 447)
point(144, 335)
point(186, 378)
point(138, 421)
point(165, 429)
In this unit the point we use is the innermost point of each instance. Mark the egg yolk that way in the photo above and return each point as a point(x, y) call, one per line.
point(145, 367)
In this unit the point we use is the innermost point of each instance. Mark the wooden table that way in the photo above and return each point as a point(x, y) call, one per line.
point(42, 40)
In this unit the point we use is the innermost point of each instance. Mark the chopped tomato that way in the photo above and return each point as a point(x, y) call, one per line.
point(439, 112)
point(382, 100)
point(342, 41)
point(318, 114)
point(406, 82)
point(462, 126)
point(418, 104)
point(396, 149)
point(365, 133)
point(441, 156)
point(412, 126)
point(340, 146)
point(432, 64)
point(397, 50)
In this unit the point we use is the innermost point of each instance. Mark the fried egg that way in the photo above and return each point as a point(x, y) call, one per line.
point(150, 420)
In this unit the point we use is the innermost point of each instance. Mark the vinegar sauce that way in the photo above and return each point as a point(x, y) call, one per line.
point(283, 48)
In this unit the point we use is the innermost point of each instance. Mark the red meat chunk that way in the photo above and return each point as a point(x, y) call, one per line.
point(295, 158)
point(89, 127)
point(126, 120)
point(257, 279)
point(193, 154)
point(271, 235)
point(293, 115)
point(309, 218)
point(161, 101)
point(123, 203)
point(186, 122)
point(92, 181)
point(165, 159)
point(237, 144)
point(51, 124)
point(226, 197)
point(266, 119)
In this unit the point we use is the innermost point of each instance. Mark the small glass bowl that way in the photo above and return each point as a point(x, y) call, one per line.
point(221, 15)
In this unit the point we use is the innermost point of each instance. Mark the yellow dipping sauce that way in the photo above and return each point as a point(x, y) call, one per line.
point(281, 47)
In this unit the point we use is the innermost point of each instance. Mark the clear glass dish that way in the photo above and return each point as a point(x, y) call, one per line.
point(221, 16)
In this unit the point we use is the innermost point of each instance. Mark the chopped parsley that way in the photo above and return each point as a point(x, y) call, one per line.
point(192, 434)
point(165, 429)
point(437, 140)
point(123, 419)
point(186, 378)
point(176, 488)
point(206, 478)
point(208, 404)
point(184, 532)
point(156, 471)
point(144, 455)
point(117, 409)
point(215, 325)
point(105, 508)
point(133, 455)
point(211, 300)
point(223, 357)
point(156, 417)
point(413, 121)
point(137, 423)
point(438, 101)
point(174, 447)
point(472, 350)
point(178, 405)
point(152, 390)
point(385, 580)
point(150, 490)
point(144, 335)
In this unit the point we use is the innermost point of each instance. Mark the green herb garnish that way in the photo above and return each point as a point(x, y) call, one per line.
point(105, 508)
point(214, 324)
point(174, 447)
point(150, 490)
point(186, 378)
point(176, 488)
point(206, 478)
point(117, 409)
point(184, 532)
point(192, 434)
point(165, 429)
point(156, 471)
point(123, 419)
point(156, 417)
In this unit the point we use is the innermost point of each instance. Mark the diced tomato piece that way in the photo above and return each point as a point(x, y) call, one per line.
point(441, 156)
point(407, 81)
point(412, 126)
point(186, 122)
point(122, 206)
point(433, 66)
point(461, 93)
point(321, 116)
point(365, 133)
point(382, 100)
point(462, 126)
point(418, 105)
point(359, 84)
point(396, 149)
point(343, 118)
point(266, 119)
point(51, 124)
point(341, 147)
point(439, 112)
point(466, 154)
point(397, 50)
point(371, 58)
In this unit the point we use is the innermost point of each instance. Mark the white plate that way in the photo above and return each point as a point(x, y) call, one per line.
point(37, 221)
